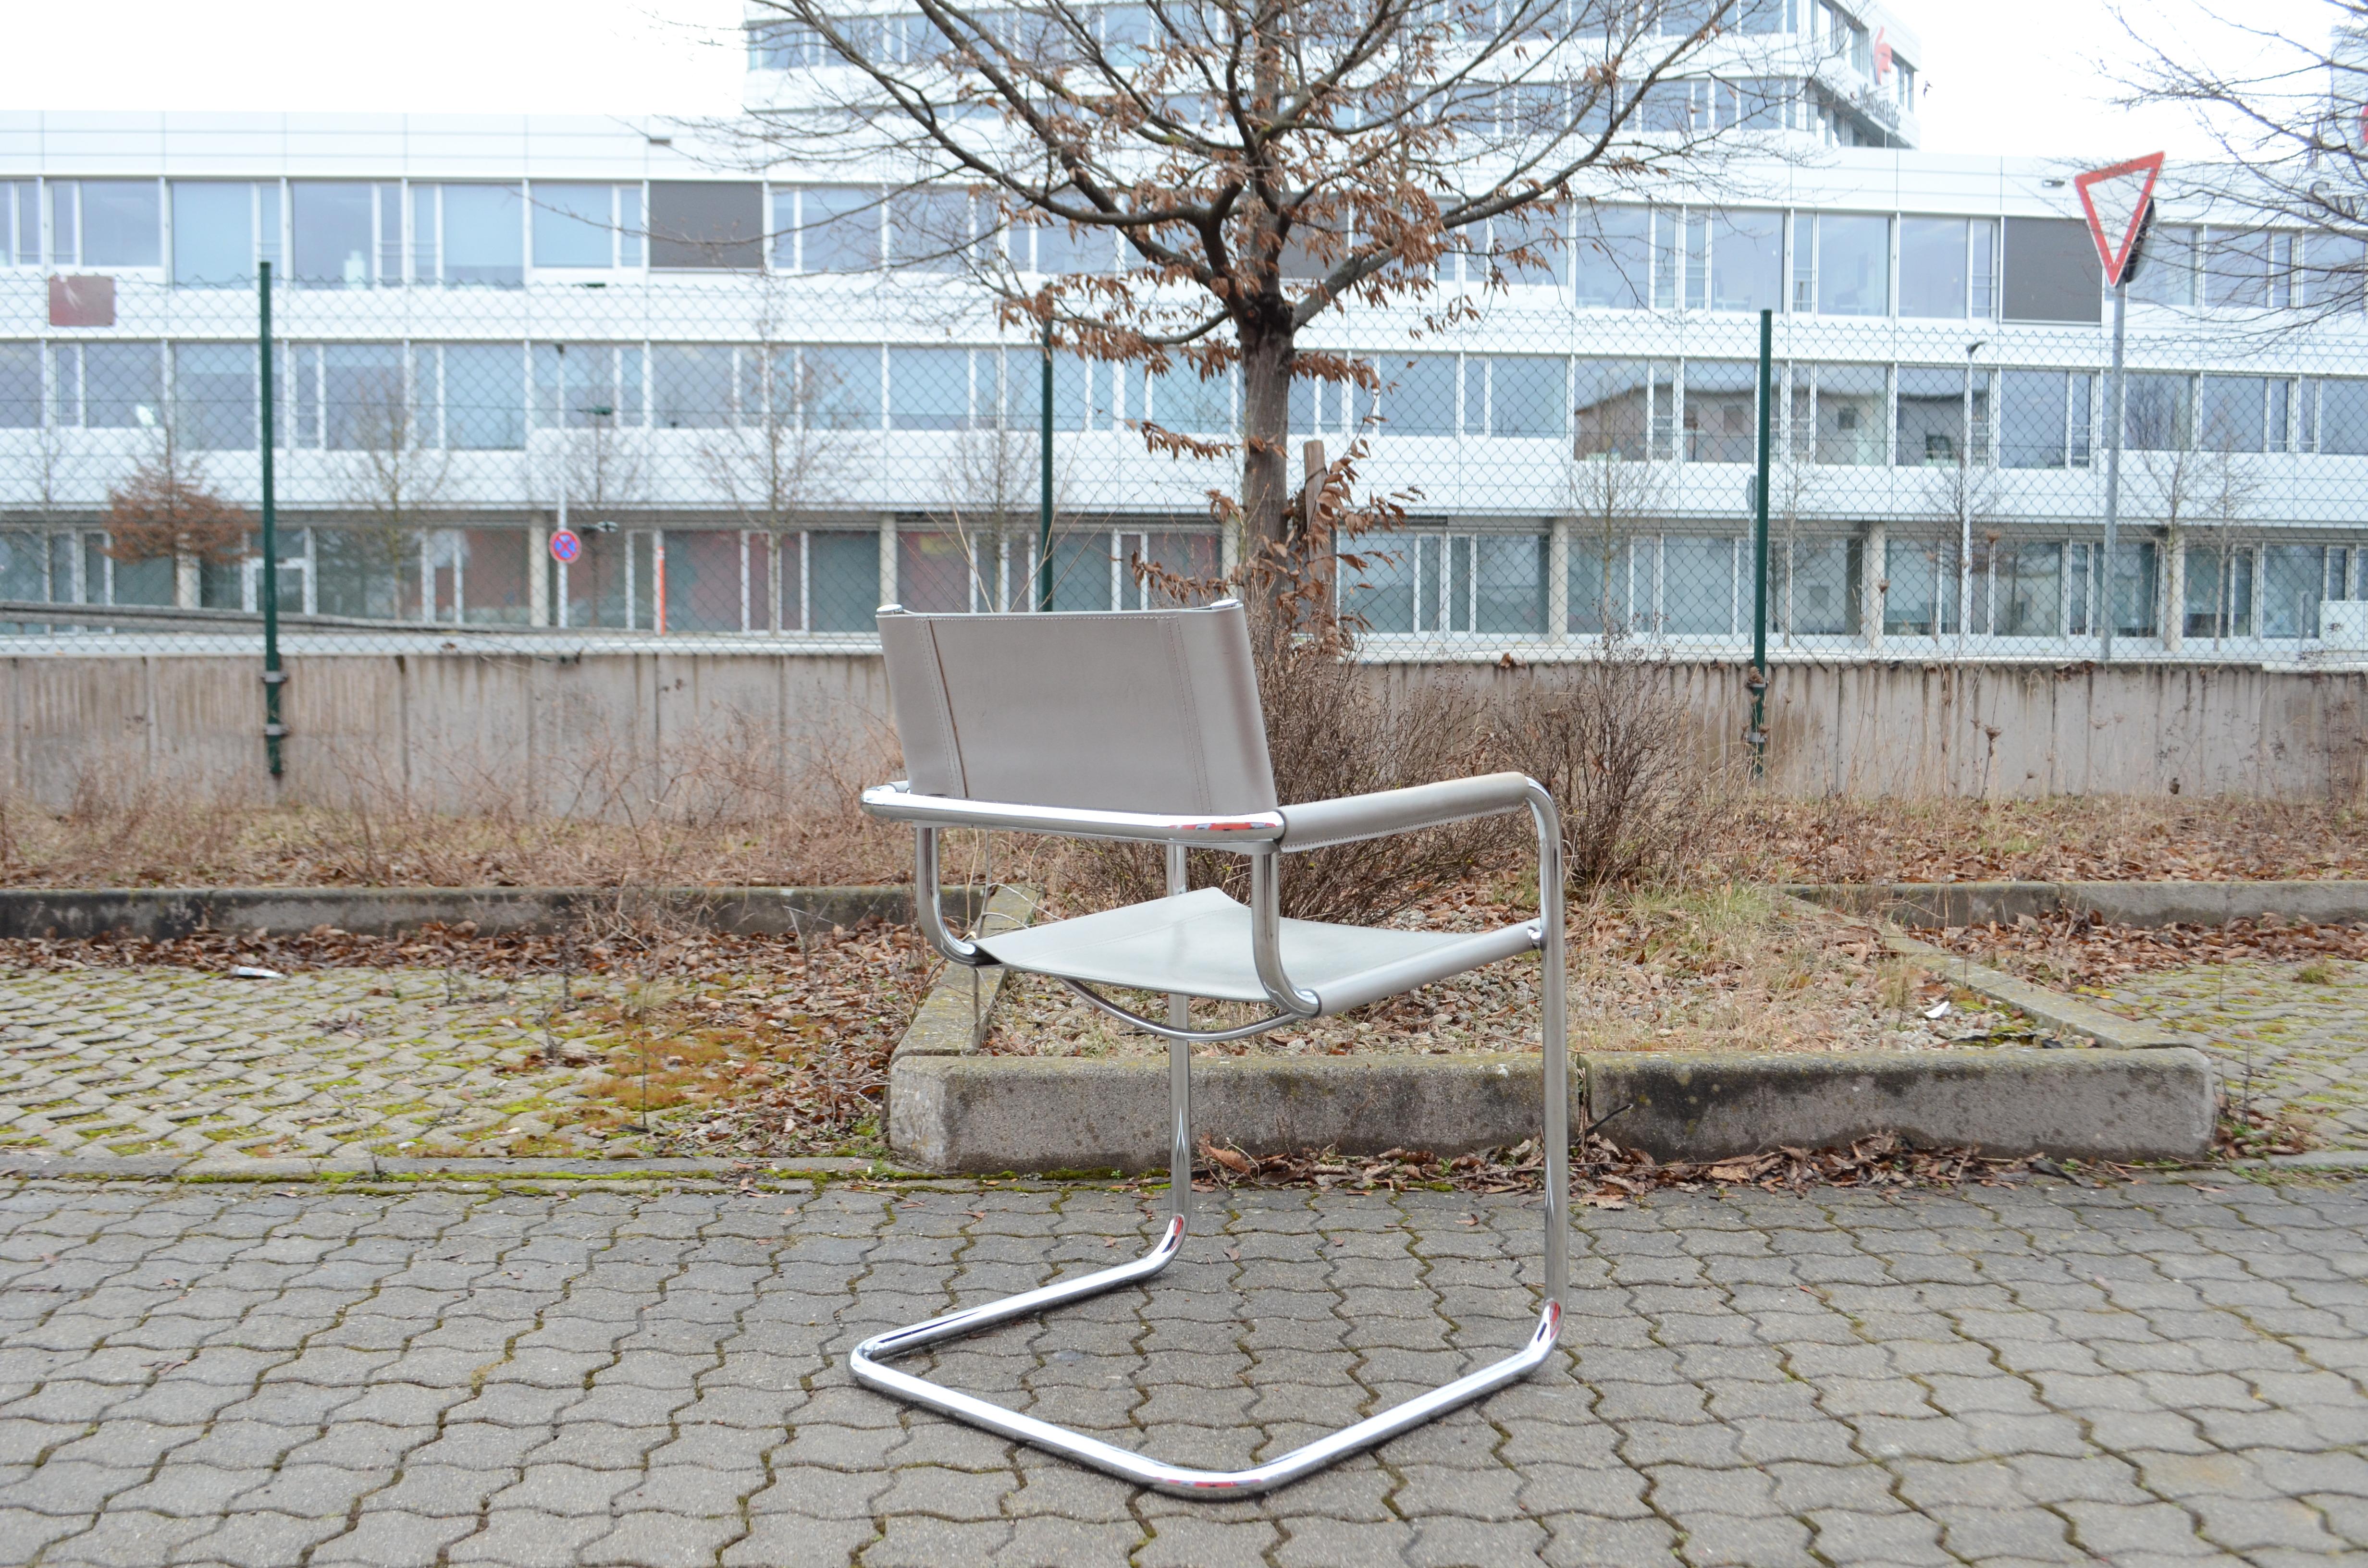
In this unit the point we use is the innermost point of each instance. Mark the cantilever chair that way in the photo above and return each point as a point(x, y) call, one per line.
point(1145, 726)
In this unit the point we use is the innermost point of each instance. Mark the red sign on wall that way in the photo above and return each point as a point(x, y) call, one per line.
point(81, 302)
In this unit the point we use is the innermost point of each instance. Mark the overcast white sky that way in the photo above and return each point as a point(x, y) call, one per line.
point(2014, 76)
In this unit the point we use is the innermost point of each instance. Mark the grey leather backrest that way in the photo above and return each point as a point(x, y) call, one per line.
point(1132, 711)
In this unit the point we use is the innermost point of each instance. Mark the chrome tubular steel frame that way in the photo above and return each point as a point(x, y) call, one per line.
point(868, 1361)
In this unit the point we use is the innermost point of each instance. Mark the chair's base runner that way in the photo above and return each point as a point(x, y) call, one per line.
point(868, 1363)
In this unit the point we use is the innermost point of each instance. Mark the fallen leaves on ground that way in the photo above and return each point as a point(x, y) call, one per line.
point(2066, 948)
point(1606, 1175)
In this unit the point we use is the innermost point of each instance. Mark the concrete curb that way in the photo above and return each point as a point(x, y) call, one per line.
point(1931, 905)
point(970, 1114)
point(367, 1167)
point(2052, 1008)
point(967, 1114)
point(2108, 1105)
point(161, 914)
point(953, 1018)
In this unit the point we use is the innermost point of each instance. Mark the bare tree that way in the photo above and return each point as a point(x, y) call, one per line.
point(1259, 161)
point(991, 482)
point(393, 475)
point(779, 458)
point(2201, 493)
point(2287, 117)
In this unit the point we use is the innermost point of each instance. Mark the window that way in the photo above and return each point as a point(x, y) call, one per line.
point(2242, 414)
point(583, 225)
point(20, 386)
point(691, 386)
point(1181, 399)
point(587, 386)
point(1945, 268)
point(2051, 272)
point(214, 395)
point(1611, 263)
point(1854, 264)
point(846, 387)
point(1527, 397)
point(1429, 583)
point(1598, 582)
point(333, 238)
point(1418, 395)
point(106, 386)
point(1062, 249)
point(1816, 588)
point(839, 228)
point(365, 404)
point(928, 230)
point(1837, 413)
point(1746, 261)
point(2158, 413)
point(1527, 247)
point(2245, 269)
point(1614, 399)
point(2044, 419)
point(2334, 272)
point(20, 223)
point(1698, 586)
point(115, 220)
point(1722, 411)
point(2219, 590)
point(2027, 589)
point(1932, 408)
point(1769, 15)
point(707, 224)
point(219, 228)
point(2166, 274)
point(484, 396)
point(1330, 408)
point(1681, 258)
point(2343, 417)
point(2293, 580)
point(929, 389)
point(470, 234)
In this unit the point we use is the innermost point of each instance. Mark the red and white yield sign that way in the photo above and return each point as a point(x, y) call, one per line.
point(2115, 199)
point(566, 544)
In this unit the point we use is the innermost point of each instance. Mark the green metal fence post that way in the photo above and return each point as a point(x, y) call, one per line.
point(274, 677)
point(1045, 475)
point(1758, 735)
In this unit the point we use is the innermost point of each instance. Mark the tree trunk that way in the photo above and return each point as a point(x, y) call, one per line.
point(1267, 353)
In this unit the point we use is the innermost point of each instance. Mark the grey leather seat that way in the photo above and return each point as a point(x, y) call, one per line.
point(1145, 726)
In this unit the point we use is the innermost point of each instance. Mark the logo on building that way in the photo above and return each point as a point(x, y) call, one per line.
point(1881, 55)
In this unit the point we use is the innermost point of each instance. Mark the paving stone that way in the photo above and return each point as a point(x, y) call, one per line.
point(1767, 1428)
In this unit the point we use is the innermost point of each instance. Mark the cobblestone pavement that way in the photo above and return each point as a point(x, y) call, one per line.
point(161, 1060)
point(2305, 1042)
point(2167, 1373)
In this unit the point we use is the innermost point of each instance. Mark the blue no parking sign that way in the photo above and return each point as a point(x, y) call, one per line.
point(566, 544)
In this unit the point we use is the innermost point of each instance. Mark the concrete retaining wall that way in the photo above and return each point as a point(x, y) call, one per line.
point(985, 1113)
point(1933, 905)
point(582, 733)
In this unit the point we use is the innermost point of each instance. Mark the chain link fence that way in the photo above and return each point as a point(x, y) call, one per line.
point(554, 448)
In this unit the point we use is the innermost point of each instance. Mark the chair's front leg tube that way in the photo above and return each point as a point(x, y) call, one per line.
point(927, 911)
point(1179, 1076)
point(1265, 937)
point(1554, 1041)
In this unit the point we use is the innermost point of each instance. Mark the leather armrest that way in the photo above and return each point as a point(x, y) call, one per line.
point(1321, 822)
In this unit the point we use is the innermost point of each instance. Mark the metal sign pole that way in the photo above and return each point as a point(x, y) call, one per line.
point(267, 593)
point(2101, 592)
point(1759, 682)
point(1045, 473)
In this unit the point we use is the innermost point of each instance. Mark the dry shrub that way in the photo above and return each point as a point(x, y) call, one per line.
point(1334, 729)
point(1606, 737)
point(724, 809)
